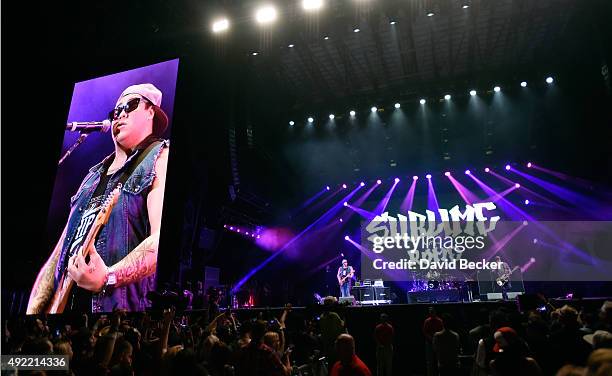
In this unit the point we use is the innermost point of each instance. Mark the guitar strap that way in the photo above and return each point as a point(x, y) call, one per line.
point(136, 162)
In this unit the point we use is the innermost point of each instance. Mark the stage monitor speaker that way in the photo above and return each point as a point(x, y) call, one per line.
point(347, 300)
point(382, 293)
point(494, 296)
point(514, 295)
point(363, 293)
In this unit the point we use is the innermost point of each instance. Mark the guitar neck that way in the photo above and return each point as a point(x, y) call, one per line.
point(60, 297)
point(90, 238)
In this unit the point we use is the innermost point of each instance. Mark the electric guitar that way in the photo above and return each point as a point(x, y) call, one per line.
point(504, 278)
point(343, 279)
point(60, 298)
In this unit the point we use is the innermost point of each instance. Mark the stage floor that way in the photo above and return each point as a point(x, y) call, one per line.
point(488, 304)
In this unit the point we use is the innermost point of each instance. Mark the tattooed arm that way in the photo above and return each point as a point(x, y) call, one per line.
point(141, 262)
point(42, 290)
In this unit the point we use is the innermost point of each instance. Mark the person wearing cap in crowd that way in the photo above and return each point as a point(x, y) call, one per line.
point(512, 356)
point(119, 270)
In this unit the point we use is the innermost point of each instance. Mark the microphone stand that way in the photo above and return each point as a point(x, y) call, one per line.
point(78, 142)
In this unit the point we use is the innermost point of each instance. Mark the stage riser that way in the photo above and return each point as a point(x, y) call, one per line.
point(434, 296)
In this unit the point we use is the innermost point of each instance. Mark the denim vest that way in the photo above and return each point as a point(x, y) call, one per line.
point(127, 226)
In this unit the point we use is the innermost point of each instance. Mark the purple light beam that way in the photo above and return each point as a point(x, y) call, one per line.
point(323, 218)
point(407, 203)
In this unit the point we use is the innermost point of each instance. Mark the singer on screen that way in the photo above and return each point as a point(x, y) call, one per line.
point(107, 255)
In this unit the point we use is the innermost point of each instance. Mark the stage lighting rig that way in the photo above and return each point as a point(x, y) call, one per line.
point(220, 25)
point(266, 14)
point(312, 5)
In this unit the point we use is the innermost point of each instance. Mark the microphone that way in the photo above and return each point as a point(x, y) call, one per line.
point(89, 126)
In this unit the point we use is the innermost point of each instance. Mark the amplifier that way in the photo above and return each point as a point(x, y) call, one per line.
point(363, 293)
point(371, 294)
point(381, 293)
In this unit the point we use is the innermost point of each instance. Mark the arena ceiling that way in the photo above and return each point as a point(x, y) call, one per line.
point(416, 54)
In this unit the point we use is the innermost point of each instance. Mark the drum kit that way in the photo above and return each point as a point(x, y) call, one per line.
point(435, 281)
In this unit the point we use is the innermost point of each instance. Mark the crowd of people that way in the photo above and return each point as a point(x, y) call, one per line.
point(563, 341)
point(545, 341)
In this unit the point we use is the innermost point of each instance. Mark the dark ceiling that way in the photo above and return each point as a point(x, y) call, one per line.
point(415, 56)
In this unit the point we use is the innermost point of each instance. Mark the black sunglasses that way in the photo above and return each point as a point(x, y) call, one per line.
point(130, 106)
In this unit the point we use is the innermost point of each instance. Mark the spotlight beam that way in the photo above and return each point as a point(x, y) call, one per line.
point(322, 218)
point(380, 208)
point(308, 202)
point(465, 193)
point(597, 189)
point(406, 205)
point(503, 241)
point(362, 212)
point(527, 190)
point(517, 213)
point(432, 200)
point(565, 194)
point(324, 201)
point(500, 195)
point(513, 211)
point(562, 176)
point(527, 265)
point(357, 204)
point(363, 197)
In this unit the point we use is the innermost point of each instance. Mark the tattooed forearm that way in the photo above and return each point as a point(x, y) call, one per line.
point(138, 264)
point(43, 287)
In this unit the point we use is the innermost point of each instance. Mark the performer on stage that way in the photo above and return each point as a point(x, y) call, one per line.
point(345, 275)
point(120, 267)
point(503, 277)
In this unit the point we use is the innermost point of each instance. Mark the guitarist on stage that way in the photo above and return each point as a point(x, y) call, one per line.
point(119, 266)
point(503, 277)
point(345, 275)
